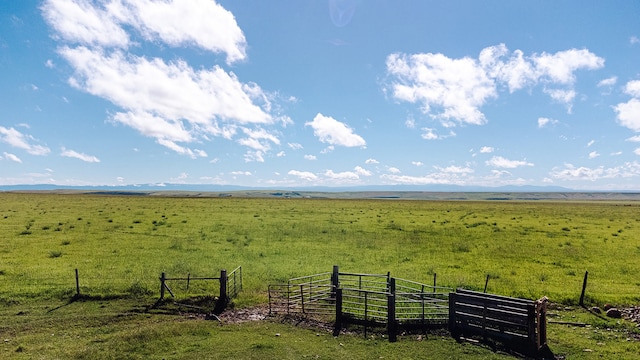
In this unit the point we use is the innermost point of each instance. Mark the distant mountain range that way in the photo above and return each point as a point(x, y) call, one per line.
point(422, 192)
point(226, 188)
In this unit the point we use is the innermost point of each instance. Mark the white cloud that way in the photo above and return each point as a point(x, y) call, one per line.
point(608, 82)
point(305, 175)
point(328, 130)
point(17, 139)
point(80, 156)
point(633, 88)
point(590, 143)
point(636, 151)
point(629, 114)
point(573, 173)
point(258, 139)
point(455, 89)
point(295, 146)
point(500, 162)
point(634, 138)
point(251, 156)
point(346, 175)
point(11, 157)
point(458, 87)
point(243, 173)
point(328, 149)
point(543, 122)
point(486, 149)
point(281, 154)
point(393, 170)
point(362, 171)
point(634, 40)
point(593, 155)
point(410, 123)
point(429, 134)
point(209, 25)
point(167, 100)
point(84, 22)
point(417, 163)
point(310, 157)
point(371, 161)
point(449, 175)
point(562, 96)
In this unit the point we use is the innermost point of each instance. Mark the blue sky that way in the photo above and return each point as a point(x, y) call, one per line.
point(294, 93)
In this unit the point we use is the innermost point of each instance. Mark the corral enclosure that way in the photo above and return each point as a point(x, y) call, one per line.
point(121, 244)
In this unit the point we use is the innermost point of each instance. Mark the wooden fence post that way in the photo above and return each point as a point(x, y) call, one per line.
point(77, 284)
point(434, 281)
point(223, 286)
point(335, 282)
point(584, 287)
point(452, 315)
point(392, 325)
point(486, 282)
point(338, 324)
point(162, 286)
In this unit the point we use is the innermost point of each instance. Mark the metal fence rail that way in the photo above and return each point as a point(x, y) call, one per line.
point(234, 282)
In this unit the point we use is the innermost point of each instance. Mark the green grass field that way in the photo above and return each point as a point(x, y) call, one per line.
point(121, 244)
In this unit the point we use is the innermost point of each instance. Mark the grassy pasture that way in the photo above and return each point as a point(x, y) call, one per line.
point(120, 245)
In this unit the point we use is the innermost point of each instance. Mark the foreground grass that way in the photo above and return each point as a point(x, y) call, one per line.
point(120, 245)
point(121, 329)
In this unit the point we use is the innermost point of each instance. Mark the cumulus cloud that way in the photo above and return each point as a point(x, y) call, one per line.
point(393, 170)
point(417, 163)
point(331, 131)
point(454, 90)
point(371, 161)
point(305, 175)
point(167, 100)
point(486, 149)
point(342, 176)
point(500, 162)
point(295, 146)
point(310, 157)
point(629, 112)
point(19, 140)
point(362, 171)
point(593, 155)
point(80, 156)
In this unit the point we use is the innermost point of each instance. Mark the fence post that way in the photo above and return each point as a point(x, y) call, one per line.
point(584, 287)
point(223, 286)
point(452, 315)
point(335, 282)
point(77, 284)
point(486, 282)
point(434, 281)
point(338, 324)
point(162, 277)
point(302, 296)
point(392, 325)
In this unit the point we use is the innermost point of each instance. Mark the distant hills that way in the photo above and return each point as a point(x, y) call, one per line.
point(430, 192)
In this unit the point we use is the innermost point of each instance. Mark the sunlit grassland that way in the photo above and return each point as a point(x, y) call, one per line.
point(528, 249)
point(121, 244)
